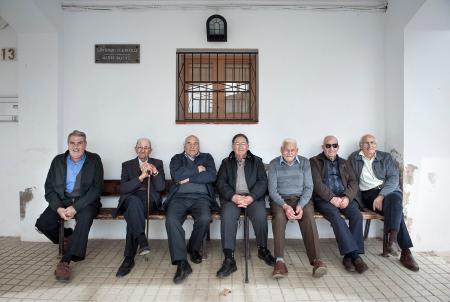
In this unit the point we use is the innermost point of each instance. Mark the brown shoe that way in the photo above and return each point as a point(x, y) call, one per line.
point(407, 259)
point(280, 270)
point(348, 264)
point(62, 272)
point(319, 268)
point(390, 247)
point(360, 265)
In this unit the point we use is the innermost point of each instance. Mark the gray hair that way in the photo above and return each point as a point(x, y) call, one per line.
point(288, 141)
point(77, 133)
point(364, 136)
point(144, 139)
point(189, 137)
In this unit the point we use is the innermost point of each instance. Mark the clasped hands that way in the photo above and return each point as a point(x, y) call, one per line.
point(291, 213)
point(340, 202)
point(66, 213)
point(147, 168)
point(242, 201)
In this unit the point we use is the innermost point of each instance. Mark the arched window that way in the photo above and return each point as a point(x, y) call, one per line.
point(216, 29)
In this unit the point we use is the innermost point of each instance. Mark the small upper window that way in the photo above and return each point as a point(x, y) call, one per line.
point(216, 29)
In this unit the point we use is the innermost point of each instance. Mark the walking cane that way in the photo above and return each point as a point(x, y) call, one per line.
point(246, 243)
point(148, 210)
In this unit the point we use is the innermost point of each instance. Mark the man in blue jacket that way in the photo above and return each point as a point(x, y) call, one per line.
point(72, 189)
point(379, 188)
point(193, 174)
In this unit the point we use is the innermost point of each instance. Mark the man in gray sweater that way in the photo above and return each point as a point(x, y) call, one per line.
point(290, 189)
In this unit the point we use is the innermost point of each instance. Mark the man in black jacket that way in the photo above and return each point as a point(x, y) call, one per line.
point(136, 174)
point(242, 183)
point(72, 189)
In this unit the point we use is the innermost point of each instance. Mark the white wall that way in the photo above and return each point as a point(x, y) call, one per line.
point(319, 73)
point(427, 94)
point(398, 15)
point(9, 193)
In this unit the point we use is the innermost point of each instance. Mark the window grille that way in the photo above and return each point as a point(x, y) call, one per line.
point(217, 86)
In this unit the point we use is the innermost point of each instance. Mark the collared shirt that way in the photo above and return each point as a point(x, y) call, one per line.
point(333, 177)
point(368, 180)
point(190, 157)
point(282, 161)
point(241, 182)
point(73, 168)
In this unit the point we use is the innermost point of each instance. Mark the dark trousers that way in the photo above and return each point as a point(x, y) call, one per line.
point(177, 209)
point(229, 223)
point(134, 210)
point(48, 224)
point(307, 225)
point(349, 237)
point(393, 214)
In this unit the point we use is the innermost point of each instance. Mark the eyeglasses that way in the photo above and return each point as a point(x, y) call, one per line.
point(328, 146)
point(143, 148)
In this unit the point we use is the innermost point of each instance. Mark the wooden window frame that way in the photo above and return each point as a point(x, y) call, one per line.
point(217, 86)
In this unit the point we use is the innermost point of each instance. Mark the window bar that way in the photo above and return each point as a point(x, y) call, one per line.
point(209, 80)
point(178, 86)
point(192, 83)
point(200, 89)
point(242, 80)
point(250, 84)
point(215, 87)
point(233, 80)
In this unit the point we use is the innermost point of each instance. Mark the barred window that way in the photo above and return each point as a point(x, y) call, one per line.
point(216, 86)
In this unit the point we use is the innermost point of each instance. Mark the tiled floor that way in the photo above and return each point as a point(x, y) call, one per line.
point(26, 273)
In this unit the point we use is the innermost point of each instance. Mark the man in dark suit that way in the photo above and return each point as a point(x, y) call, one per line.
point(133, 202)
point(193, 174)
point(72, 188)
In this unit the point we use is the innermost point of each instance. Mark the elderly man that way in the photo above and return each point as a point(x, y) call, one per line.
point(290, 189)
point(193, 174)
point(72, 189)
point(380, 190)
point(242, 183)
point(335, 188)
point(134, 199)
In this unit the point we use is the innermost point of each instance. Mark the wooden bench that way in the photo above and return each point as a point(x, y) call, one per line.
point(111, 189)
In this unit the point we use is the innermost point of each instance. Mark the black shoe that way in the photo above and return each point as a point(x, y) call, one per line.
point(196, 257)
point(183, 270)
point(264, 254)
point(126, 267)
point(228, 267)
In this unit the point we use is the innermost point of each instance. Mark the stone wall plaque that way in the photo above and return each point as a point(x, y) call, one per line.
point(117, 53)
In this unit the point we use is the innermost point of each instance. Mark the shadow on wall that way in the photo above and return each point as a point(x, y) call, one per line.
point(25, 197)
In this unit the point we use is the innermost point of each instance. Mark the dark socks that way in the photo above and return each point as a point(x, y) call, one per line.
point(228, 253)
point(66, 258)
point(352, 255)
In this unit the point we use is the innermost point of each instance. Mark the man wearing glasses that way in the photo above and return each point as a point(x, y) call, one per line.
point(193, 174)
point(242, 183)
point(379, 187)
point(335, 189)
point(133, 201)
point(290, 189)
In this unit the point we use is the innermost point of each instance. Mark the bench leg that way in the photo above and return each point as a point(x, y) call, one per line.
point(246, 244)
point(367, 228)
point(61, 238)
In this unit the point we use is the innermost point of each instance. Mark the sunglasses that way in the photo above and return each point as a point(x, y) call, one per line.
point(328, 146)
